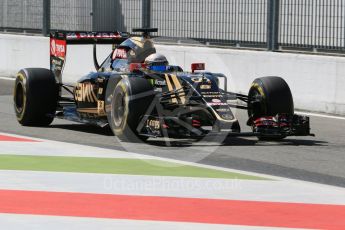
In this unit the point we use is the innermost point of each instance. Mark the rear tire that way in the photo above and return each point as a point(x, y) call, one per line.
point(131, 99)
point(273, 96)
point(35, 97)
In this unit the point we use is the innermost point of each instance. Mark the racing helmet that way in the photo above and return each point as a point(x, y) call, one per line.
point(156, 60)
point(138, 49)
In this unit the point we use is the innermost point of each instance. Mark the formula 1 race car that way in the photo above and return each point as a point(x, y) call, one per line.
point(139, 101)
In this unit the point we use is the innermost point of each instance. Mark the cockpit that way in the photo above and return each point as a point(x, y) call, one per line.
point(133, 50)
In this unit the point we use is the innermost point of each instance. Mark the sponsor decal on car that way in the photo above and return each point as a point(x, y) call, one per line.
point(154, 124)
point(85, 93)
point(211, 93)
point(223, 110)
point(205, 87)
point(92, 35)
point(203, 80)
point(216, 101)
point(57, 62)
point(213, 96)
point(58, 48)
point(197, 79)
point(160, 83)
point(227, 116)
point(120, 54)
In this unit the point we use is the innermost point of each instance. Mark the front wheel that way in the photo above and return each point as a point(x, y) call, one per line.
point(269, 96)
point(131, 99)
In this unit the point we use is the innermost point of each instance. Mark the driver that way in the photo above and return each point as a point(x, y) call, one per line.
point(159, 63)
point(156, 60)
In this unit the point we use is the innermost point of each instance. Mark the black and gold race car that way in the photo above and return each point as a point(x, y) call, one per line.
point(139, 101)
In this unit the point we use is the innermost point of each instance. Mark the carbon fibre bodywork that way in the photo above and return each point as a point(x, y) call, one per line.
point(182, 104)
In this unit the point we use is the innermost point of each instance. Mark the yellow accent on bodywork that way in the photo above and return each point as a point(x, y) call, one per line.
point(170, 87)
point(178, 86)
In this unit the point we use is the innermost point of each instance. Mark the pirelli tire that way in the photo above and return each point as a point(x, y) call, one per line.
point(273, 96)
point(35, 97)
point(131, 100)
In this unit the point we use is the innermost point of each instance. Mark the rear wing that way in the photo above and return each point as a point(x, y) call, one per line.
point(60, 40)
point(80, 38)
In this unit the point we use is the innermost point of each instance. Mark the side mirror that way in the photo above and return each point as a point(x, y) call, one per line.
point(136, 66)
point(198, 66)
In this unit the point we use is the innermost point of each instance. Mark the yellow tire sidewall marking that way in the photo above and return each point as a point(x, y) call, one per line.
point(261, 91)
point(124, 123)
point(21, 78)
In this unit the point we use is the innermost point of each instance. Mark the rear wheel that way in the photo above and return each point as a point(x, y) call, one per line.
point(269, 96)
point(35, 97)
point(131, 100)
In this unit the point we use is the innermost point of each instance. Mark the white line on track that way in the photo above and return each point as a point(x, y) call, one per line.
point(165, 186)
point(321, 115)
point(16, 221)
point(8, 78)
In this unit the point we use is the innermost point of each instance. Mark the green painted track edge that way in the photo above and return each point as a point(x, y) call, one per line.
point(147, 167)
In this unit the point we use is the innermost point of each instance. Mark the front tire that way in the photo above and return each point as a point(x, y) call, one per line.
point(131, 99)
point(269, 96)
point(35, 97)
